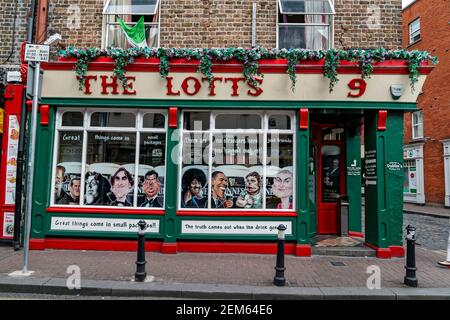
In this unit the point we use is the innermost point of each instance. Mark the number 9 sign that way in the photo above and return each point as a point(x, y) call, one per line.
point(357, 84)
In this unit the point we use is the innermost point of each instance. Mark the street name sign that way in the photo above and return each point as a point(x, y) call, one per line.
point(37, 53)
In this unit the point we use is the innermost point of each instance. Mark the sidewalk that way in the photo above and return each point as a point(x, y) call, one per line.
point(426, 210)
point(223, 276)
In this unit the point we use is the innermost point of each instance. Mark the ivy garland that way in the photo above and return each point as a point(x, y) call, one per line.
point(250, 60)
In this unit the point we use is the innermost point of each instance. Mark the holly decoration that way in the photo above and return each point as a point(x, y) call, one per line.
point(250, 60)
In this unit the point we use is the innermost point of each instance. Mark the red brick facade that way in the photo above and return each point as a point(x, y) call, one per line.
point(435, 100)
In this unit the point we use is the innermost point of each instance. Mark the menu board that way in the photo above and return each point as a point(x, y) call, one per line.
point(11, 160)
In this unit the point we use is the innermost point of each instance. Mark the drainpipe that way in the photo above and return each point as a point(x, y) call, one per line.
point(22, 133)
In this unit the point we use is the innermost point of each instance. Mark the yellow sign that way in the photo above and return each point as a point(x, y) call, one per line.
point(2, 112)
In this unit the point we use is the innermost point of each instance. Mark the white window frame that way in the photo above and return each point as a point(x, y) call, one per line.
point(86, 128)
point(418, 125)
point(106, 22)
point(414, 30)
point(265, 115)
point(330, 25)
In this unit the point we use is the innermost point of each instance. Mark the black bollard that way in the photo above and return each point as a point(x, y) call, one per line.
point(140, 274)
point(410, 278)
point(279, 279)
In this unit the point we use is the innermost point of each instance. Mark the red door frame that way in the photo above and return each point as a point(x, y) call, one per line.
point(325, 224)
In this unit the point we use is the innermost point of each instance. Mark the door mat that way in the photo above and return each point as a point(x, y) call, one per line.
point(339, 242)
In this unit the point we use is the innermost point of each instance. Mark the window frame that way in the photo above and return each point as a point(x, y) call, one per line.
point(265, 131)
point(87, 128)
point(418, 124)
point(107, 16)
point(330, 24)
point(412, 33)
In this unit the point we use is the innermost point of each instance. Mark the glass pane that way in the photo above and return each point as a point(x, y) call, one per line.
point(68, 168)
point(72, 119)
point(117, 39)
point(196, 121)
point(113, 119)
point(195, 171)
point(238, 121)
point(280, 179)
point(110, 162)
point(280, 122)
point(331, 183)
point(142, 7)
point(306, 7)
point(305, 37)
point(151, 170)
point(154, 120)
point(236, 178)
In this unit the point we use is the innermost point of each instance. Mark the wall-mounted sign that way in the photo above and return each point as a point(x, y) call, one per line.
point(396, 91)
point(394, 166)
point(11, 159)
point(234, 227)
point(101, 224)
point(37, 52)
point(8, 224)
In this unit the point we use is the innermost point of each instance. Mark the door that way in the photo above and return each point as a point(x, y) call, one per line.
point(330, 185)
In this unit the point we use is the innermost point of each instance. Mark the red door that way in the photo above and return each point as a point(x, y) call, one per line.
point(330, 185)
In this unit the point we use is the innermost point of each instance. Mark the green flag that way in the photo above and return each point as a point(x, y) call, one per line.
point(135, 34)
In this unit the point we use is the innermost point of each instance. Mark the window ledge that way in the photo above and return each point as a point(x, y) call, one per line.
point(122, 210)
point(416, 140)
point(236, 213)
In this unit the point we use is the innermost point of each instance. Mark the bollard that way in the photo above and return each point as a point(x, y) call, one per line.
point(410, 278)
point(140, 274)
point(446, 263)
point(279, 279)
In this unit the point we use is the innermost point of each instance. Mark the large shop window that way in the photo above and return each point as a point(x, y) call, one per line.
point(130, 11)
point(238, 160)
point(305, 24)
point(114, 158)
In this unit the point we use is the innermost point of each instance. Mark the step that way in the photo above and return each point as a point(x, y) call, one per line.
point(344, 251)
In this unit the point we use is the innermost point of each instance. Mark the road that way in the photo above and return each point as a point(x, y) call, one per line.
point(431, 232)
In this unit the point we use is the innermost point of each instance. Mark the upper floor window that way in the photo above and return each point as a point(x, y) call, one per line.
point(417, 125)
point(132, 13)
point(305, 24)
point(414, 31)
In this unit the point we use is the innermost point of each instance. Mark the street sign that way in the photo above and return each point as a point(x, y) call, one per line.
point(37, 52)
point(31, 83)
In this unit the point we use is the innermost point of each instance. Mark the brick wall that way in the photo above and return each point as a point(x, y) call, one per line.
point(10, 31)
point(368, 24)
point(435, 100)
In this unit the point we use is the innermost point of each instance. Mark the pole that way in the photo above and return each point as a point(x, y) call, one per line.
point(410, 278)
point(279, 279)
point(21, 146)
point(254, 26)
point(30, 173)
point(140, 273)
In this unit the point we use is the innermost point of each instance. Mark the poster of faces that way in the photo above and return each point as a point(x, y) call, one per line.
point(110, 177)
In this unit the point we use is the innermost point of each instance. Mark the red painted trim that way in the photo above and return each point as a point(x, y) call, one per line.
point(233, 247)
point(106, 210)
point(382, 253)
point(236, 213)
point(356, 234)
point(303, 123)
point(169, 248)
point(37, 244)
point(382, 118)
point(397, 251)
point(85, 244)
point(233, 66)
point(45, 114)
point(173, 117)
point(303, 250)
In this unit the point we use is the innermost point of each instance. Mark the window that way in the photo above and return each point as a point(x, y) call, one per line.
point(305, 24)
point(239, 160)
point(417, 125)
point(410, 176)
point(130, 11)
point(414, 31)
point(114, 158)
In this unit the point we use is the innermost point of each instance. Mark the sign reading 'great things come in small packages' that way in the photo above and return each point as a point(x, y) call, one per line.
point(101, 224)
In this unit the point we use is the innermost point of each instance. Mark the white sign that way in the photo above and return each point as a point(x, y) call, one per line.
point(101, 224)
point(11, 162)
point(37, 52)
point(234, 227)
point(8, 224)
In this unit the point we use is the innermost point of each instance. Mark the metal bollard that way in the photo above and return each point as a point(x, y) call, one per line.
point(279, 279)
point(410, 278)
point(140, 274)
